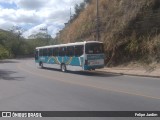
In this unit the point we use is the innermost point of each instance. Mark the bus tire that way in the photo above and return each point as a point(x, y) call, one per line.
point(41, 65)
point(63, 68)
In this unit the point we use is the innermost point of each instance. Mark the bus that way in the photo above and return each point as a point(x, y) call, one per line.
point(78, 56)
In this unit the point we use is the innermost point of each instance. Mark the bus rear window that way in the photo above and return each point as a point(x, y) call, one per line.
point(94, 48)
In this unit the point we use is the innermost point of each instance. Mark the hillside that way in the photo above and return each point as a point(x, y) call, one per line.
point(130, 29)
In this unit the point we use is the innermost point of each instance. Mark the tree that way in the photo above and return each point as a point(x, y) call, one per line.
point(78, 10)
point(4, 53)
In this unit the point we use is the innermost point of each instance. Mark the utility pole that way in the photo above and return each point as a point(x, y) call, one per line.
point(70, 23)
point(70, 15)
point(97, 26)
point(17, 30)
point(45, 29)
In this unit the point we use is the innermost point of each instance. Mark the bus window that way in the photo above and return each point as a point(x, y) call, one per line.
point(62, 51)
point(41, 52)
point(94, 48)
point(50, 52)
point(70, 51)
point(45, 52)
point(79, 50)
point(55, 51)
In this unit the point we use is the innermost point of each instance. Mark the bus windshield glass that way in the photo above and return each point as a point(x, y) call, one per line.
point(94, 48)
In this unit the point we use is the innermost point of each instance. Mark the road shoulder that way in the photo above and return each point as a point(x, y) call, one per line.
point(152, 72)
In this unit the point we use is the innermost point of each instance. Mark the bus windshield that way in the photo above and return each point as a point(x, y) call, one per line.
point(94, 48)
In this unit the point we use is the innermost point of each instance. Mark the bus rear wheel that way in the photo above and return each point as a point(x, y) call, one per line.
point(41, 65)
point(63, 68)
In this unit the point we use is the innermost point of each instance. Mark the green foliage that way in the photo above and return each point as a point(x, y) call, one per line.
point(33, 43)
point(4, 53)
point(11, 45)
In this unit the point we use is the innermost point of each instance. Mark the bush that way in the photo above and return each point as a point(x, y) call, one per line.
point(4, 53)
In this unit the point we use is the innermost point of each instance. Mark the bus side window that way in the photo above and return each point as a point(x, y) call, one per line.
point(62, 51)
point(45, 52)
point(70, 51)
point(79, 50)
point(55, 52)
point(41, 52)
point(50, 51)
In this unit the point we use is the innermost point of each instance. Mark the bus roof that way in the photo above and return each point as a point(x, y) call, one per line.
point(68, 44)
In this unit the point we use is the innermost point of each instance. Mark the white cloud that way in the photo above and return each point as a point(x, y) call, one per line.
point(7, 1)
point(19, 16)
point(31, 4)
point(34, 30)
point(5, 25)
point(33, 14)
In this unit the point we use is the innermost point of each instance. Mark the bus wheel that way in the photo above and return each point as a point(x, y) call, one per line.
point(63, 68)
point(41, 65)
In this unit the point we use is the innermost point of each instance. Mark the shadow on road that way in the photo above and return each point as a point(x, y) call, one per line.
point(94, 73)
point(6, 75)
point(87, 73)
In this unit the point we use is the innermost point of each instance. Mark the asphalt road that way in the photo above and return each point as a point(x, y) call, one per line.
point(24, 87)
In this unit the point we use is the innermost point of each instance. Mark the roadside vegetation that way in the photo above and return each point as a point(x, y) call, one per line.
point(12, 45)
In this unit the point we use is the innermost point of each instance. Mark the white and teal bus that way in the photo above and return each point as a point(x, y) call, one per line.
point(88, 55)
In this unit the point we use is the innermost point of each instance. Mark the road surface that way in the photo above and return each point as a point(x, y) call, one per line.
point(24, 87)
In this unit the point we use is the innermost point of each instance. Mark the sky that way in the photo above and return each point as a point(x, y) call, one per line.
point(32, 15)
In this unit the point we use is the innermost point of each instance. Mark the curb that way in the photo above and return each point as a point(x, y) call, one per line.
point(120, 73)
